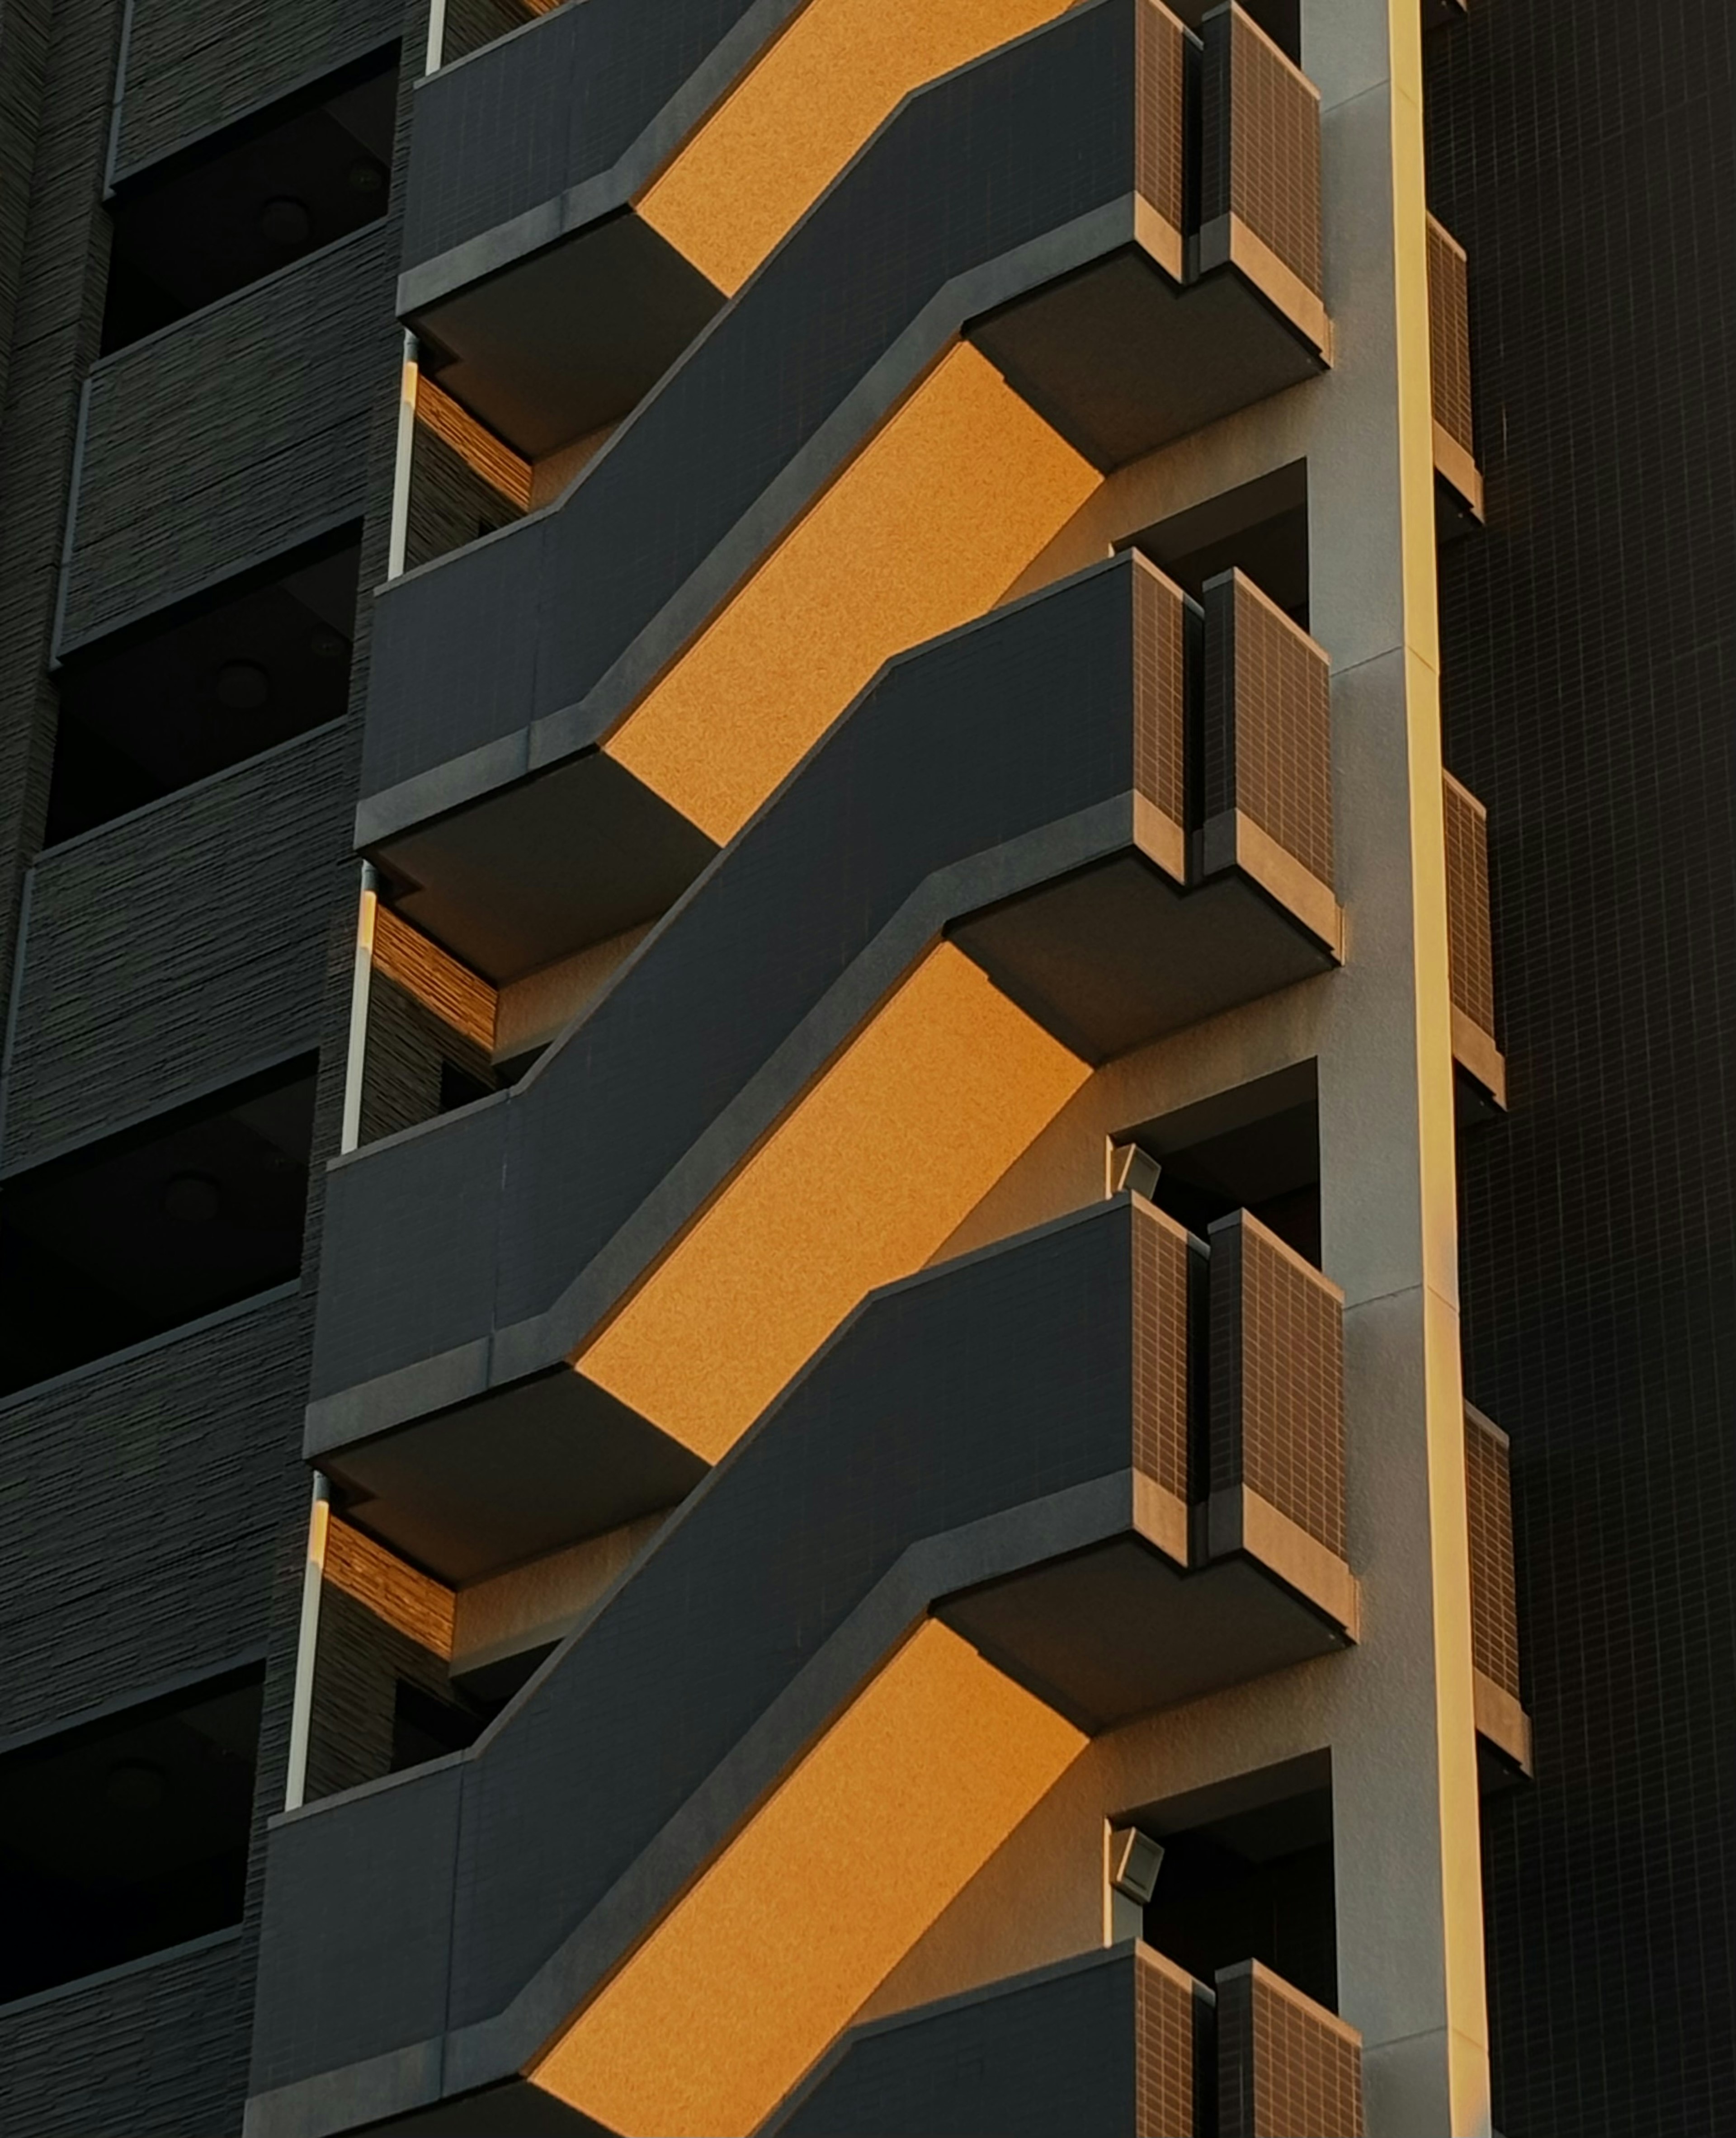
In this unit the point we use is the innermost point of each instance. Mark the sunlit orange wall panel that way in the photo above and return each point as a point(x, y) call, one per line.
point(785, 133)
point(770, 1955)
point(908, 1129)
point(922, 531)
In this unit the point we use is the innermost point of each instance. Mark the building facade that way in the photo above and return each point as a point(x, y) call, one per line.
point(864, 1181)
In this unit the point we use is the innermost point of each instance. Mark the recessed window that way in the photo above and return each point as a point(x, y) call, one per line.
point(128, 1836)
point(130, 1237)
point(304, 172)
point(1260, 528)
point(1252, 1885)
point(1256, 1148)
point(259, 660)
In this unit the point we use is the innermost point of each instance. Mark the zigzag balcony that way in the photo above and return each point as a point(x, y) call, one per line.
point(567, 717)
point(982, 1525)
point(823, 1071)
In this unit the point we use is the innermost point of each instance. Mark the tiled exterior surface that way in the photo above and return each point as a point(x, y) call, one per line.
point(1262, 142)
point(195, 64)
point(1488, 1510)
point(1589, 644)
point(229, 435)
point(1267, 741)
point(1450, 350)
point(1471, 958)
point(1277, 1388)
point(1160, 1331)
point(1286, 2068)
point(158, 2050)
point(232, 885)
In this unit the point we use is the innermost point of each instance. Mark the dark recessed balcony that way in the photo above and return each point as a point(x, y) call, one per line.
point(541, 773)
point(298, 175)
point(1021, 1412)
point(1016, 886)
point(135, 1234)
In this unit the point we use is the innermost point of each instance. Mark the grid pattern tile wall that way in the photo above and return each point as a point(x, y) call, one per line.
point(1588, 649)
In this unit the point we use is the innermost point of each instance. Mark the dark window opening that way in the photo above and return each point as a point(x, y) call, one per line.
point(1254, 1884)
point(128, 1237)
point(425, 1726)
point(1255, 1149)
point(247, 667)
point(126, 1836)
point(459, 1088)
point(299, 174)
point(1261, 529)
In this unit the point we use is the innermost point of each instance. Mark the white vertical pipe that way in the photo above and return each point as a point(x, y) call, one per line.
point(308, 1644)
point(361, 980)
point(403, 462)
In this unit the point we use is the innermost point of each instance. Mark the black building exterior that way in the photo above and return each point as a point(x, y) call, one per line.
point(726, 899)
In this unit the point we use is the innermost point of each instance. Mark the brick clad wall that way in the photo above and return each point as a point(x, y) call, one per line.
point(232, 434)
point(157, 2050)
point(1160, 694)
point(1489, 1507)
point(1267, 738)
point(1287, 2068)
point(230, 885)
point(1276, 1391)
point(1167, 2037)
point(1450, 349)
point(1261, 149)
point(1161, 1258)
point(1470, 960)
point(194, 65)
point(1160, 132)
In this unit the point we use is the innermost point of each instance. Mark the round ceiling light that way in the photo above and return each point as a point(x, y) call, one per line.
point(242, 686)
point(192, 1199)
point(284, 221)
point(134, 1785)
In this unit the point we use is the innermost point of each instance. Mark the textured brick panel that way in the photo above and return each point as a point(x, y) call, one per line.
point(1450, 346)
point(1261, 150)
point(230, 887)
point(227, 435)
point(193, 65)
point(1287, 2068)
point(1470, 956)
point(1489, 1506)
point(1267, 740)
point(1160, 695)
point(1168, 2022)
point(136, 1526)
point(1277, 1380)
point(1160, 1380)
point(158, 2052)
